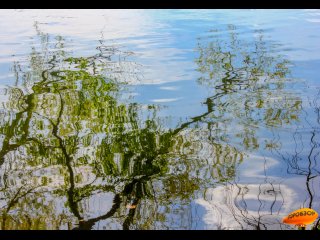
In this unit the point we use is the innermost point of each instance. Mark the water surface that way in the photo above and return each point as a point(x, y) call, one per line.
point(158, 119)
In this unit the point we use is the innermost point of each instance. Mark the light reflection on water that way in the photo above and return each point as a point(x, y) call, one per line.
point(195, 119)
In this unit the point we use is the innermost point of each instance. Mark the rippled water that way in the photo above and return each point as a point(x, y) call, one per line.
point(158, 119)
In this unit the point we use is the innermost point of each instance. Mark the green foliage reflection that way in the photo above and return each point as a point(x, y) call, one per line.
point(68, 138)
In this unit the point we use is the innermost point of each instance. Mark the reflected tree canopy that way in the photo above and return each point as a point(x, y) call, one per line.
point(68, 140)
point(75, 154)
point(249, 85)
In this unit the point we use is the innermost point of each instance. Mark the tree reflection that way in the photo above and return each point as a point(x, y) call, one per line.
point(249, 84)
point(303, 161)
point(68, 138)
point(251, 92)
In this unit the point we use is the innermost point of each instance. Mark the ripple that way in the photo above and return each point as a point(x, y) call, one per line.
point(170, 88)
point(164, 100)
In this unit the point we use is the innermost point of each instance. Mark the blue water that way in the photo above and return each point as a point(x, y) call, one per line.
point(215, 123)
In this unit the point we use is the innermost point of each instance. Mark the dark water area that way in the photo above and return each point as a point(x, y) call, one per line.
point(158, 119)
